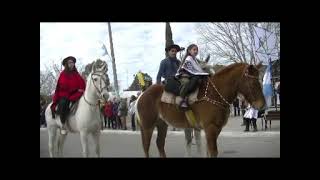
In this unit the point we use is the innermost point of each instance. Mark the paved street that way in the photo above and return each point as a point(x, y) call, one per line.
point(232, 142)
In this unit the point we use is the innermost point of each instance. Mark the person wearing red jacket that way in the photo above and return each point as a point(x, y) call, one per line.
point(70, 87)
point(108, 114)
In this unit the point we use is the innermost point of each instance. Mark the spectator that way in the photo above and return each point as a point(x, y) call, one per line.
point(251, 115)
point(123, 112)
point(43, 106)
point(131, 111)
point(115, 119)
point(108, 114)
point(236, 107)
point(243, 110)
point(278, 90)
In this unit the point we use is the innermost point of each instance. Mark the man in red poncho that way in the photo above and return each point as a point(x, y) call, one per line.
point(70, 87)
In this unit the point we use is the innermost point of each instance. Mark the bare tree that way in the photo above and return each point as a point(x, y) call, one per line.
point(233, 42)
point(47, 82)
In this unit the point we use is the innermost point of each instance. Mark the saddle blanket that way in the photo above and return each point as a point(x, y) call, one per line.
point(170, 98)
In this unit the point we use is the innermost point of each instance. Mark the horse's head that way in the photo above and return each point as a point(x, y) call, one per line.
point(205, 66)
point(250, 87)
point(98, 78)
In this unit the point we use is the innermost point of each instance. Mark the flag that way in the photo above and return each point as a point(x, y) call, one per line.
point(267, 85)
point(105, 50)
point(141, 79)
point(265, 43)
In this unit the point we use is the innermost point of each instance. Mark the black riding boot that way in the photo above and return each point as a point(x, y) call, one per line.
point(63, 110)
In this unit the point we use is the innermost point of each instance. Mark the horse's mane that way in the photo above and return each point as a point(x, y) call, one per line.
point(228, 68)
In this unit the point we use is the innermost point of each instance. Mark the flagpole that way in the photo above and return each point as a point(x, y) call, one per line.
point(115, 79)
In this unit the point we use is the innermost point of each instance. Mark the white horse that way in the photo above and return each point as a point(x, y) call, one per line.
point(87, 118)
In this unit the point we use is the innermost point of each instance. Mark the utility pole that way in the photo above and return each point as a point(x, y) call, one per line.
point(115, 79)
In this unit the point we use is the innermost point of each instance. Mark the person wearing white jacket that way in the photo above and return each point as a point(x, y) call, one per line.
point(251, 115)
point(132, 112)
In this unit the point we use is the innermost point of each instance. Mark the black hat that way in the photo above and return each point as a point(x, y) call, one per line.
point(65, 60)
point(174, 46)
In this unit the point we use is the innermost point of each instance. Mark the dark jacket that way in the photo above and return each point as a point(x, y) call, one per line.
point(123, 109)
point(168, 68)
point(236, 102)
point(115, 108)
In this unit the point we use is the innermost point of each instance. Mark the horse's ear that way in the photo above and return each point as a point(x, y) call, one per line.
point(249, 68)
point(94, 67)
point(207, 59)
point(104, 66)
point(259, 66)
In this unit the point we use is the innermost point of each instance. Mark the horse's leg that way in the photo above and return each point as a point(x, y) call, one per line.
point(161, 138)
point(146, 134)
point(84, 143)
point(197, 135)
point(96, 140)
point(212, 133)
point(52, 132)
point(61, 141)
point(188, 140)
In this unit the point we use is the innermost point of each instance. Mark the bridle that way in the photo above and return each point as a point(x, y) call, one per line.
point(225, 104)
point(97, 89)
point(247, 75)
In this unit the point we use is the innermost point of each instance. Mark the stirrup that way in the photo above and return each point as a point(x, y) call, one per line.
point(183, 105)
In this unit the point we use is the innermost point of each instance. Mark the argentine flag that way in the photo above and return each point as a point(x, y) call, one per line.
point(267, 86)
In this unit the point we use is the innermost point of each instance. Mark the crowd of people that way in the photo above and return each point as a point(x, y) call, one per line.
point(116, 112)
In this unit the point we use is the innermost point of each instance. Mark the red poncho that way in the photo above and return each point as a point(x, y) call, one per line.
point(108, 110)
point(70, 85)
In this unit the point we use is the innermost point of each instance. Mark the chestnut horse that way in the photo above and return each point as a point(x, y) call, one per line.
point(216, 93)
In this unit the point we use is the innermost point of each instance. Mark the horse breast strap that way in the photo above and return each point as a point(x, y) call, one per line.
point(224, 104)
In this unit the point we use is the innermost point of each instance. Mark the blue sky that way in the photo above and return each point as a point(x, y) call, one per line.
point(137, 46)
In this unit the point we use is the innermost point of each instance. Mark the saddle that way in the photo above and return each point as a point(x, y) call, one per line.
point(65, 108)
point(171, 95)
point(74, 107)
point(170, 98)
